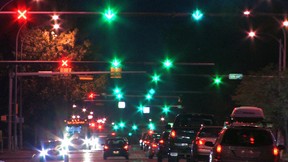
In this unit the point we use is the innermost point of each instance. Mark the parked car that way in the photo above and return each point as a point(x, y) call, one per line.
point(200, 148)
point(245, 143)
point(152, 144)
point(183, 132)
point(115, 146)
point(163, 146)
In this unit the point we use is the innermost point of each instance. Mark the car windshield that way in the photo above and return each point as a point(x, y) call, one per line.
point(209, 132)
point(247, 137)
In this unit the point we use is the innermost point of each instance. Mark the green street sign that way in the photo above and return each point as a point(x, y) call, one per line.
point(235, 76)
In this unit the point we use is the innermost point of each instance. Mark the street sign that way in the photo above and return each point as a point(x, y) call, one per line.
point(235, 76)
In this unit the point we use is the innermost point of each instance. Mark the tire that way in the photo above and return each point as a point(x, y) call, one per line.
point(172, 159)
point(104, 157)
point(150, 156)
point(126, 157)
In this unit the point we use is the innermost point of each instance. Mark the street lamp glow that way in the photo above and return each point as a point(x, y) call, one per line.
point(285, 23)
point(251, 34)
point(56, 26)
point(55, 17)
point(246, 12)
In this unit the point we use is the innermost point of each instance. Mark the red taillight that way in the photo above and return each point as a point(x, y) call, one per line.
point(126, 147)
point(161, 141)
point(173, 134)
point(219, 149)
point(275, 151)
point(200, 142)
point(154, 145)
point(106, 147)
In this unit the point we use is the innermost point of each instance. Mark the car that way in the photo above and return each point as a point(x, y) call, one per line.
point(184, 129)
point(163, 146)
point(149, 139)
point(200, 148)
point(152, 144)
point(141, 140)
point(52, 150)
point(245, 142)
point(115, 146)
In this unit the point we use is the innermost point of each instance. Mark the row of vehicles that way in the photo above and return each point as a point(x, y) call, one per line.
point(195, 137)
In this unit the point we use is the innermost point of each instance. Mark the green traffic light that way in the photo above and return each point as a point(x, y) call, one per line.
point(166, 109)
point(152, 91)
point(197, 15)
point(115, 127)
point(217, 80)
point(167, 63)
point(109, 14)
point(155, 78)
point(121, 124)
point(116, 63)
point(151, 126)
point(148, 96)
point(134, 127)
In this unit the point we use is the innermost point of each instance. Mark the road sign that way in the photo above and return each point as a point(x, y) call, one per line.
point(235, 76)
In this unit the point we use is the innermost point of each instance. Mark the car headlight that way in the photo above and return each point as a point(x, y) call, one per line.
point(43, 152)
point(66, 142)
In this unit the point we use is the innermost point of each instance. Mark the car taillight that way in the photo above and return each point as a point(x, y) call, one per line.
point(154, 145)
point(218, 149)
point(173, 134)
point(161, 141)
point(126, 147)
point(275, 151)
point(200, 142)
point(106, 147)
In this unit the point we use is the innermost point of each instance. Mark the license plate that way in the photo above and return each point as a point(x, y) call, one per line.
point(173, 154)
point(115, 152)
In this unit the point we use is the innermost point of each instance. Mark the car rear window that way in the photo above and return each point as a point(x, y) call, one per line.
point(115, 142)
point(192, 121)
point(209, 132)
point(247, 137)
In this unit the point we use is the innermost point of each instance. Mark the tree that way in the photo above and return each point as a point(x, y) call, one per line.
point(44, 95)
point(267, 89)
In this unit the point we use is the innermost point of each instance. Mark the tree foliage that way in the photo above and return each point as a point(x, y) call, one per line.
point(49, 93)
point(268, 89)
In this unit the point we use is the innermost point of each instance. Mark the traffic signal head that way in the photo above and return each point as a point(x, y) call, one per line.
point(64, 63)
point(217, 80)
point(91, 95)
point(116, 63)
point(155, 78)
point(109, 14)
point(134, 127)
point(166, 109)
point(167, 63)
point(197, 15)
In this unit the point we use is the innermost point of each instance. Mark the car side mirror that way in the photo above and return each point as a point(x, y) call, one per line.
point(210, 144)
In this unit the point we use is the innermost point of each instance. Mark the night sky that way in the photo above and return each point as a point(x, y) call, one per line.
point(150, 30)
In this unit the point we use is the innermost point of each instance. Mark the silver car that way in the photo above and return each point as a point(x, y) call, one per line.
point(245, 143)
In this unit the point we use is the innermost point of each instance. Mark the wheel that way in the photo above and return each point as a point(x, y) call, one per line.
point(126, 157)
point(172, 159)
point(150, 156)
point(104, 157)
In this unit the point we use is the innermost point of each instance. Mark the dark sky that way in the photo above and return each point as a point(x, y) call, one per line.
point(150, 30)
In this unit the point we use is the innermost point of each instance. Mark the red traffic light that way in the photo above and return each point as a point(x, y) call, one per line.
point(91, 95)
point(64, 63)
point(22, 14)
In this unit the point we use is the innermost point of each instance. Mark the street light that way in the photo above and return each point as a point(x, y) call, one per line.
point(253, 34)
